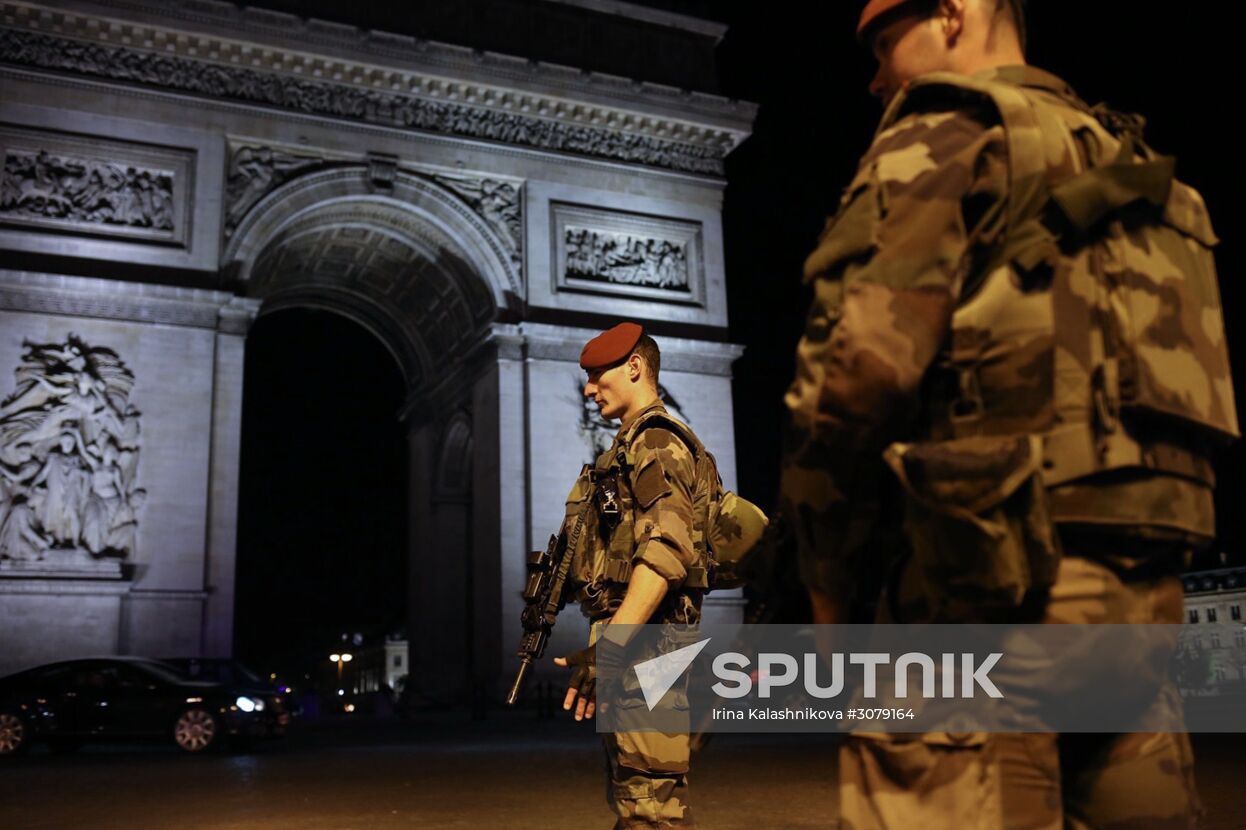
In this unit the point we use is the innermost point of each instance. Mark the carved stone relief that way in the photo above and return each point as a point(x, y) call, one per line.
point(623, 259)
point(496, 202)
point(610, 252)
point(341, 100)
point(253, 172)
point(43, 186)
point(69, 452)
point(94, 186)
point(256, 170)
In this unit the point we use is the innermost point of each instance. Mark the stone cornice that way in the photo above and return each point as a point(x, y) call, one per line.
point(136, 302)
point(288, 31)
point(389, 94)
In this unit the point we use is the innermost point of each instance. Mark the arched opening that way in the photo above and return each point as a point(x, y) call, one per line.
point(322, 529)
point(423, 271)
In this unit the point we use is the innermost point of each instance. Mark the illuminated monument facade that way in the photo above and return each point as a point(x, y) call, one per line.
point(174, 169)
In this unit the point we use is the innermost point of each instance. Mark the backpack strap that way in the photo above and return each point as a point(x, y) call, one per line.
point(699, 574)
point(659, 418)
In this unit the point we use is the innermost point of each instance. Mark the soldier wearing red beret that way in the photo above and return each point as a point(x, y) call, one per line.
point(639, 559)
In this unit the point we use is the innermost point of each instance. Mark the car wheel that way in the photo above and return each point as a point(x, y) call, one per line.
point(14, 735)
point(195, 730)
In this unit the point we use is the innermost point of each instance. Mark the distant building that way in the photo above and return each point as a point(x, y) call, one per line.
point(381, 663)
point(1215, 639)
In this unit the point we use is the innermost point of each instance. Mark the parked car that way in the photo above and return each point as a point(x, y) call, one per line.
point(121, 698)
point(232, 672)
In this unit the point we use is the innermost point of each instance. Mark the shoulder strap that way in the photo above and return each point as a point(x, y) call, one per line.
point(658, 418)
point(698, 574)
point(1028, 186)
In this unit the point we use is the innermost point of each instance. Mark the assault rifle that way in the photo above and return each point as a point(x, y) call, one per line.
point(543, 598)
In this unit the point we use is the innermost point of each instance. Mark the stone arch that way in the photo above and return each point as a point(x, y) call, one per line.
point(410, 260)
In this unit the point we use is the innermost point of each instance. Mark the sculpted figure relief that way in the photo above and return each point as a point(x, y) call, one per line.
point(494, 201)
point(69, 447)
point(45, 186)
point(253, 172)
point(626, 260)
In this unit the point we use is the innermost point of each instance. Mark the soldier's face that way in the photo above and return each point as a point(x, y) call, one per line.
point(611, 389)
point(616, 389)
point(905, 48)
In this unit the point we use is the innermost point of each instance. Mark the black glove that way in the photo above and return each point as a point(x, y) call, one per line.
point(583, 665)
point(589, 664)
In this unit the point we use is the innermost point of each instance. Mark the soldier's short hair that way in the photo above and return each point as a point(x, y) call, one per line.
point(647, 348)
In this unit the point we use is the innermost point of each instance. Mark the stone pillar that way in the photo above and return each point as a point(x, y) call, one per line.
point(422, 574)
point(502, 535)
point(220, 562)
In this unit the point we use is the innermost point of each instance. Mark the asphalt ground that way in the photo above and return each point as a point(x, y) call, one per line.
point(447, 771)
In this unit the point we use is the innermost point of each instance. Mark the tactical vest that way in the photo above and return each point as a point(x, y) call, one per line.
point(1086, 379)
point(602, 566)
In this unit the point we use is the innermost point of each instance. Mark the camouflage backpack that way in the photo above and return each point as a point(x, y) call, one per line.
point(727, 526)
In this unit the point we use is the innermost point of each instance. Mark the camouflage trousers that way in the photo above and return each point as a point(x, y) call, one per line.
point(647, 770)
point(647, 779)
point(1035, 781)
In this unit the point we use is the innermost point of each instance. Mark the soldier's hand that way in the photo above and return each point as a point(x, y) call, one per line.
point(583, 685)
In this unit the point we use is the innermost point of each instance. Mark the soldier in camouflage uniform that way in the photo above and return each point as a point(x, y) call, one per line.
point(638, 560)
point(1016, 328)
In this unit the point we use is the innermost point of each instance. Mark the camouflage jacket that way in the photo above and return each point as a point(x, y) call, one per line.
point(648, 517)
point(953, 312)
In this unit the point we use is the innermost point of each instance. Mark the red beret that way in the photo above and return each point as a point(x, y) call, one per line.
point(610, 347)
point(873, 10)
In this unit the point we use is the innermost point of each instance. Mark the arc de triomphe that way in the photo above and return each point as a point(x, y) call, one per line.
point(174, 169)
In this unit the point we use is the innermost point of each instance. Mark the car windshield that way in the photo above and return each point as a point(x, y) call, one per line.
point(247, 674)
point(160, 670)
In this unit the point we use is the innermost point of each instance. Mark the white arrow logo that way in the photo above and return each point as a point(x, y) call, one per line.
point(656, 676)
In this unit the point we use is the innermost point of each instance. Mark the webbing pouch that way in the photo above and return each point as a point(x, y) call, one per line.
point(978, 523)
point(1086, 199)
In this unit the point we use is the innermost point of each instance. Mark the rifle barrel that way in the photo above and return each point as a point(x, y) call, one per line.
point(519, 678)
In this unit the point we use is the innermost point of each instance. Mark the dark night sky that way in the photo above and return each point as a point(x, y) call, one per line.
point(315, 549)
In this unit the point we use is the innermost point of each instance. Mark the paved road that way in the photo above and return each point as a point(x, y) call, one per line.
point(510, 771)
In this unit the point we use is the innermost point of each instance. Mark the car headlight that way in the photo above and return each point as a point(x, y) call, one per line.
point(249, 704)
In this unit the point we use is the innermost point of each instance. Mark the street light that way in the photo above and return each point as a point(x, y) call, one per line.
point(340, 659)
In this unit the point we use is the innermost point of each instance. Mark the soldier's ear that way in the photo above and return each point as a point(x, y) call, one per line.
point(951, 14)
point(635, 367)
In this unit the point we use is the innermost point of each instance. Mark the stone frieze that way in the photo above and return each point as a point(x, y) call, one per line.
point(375, 104)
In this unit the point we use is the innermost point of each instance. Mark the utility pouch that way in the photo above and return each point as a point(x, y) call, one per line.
point(978, 523)
point(582, 558)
